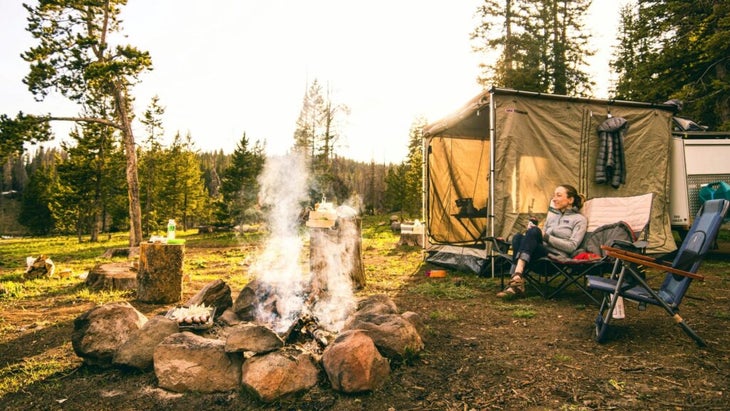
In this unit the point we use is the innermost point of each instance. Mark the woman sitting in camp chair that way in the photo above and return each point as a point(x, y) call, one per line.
point(563, 233)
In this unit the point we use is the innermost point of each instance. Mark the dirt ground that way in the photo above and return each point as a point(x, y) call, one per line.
point(481, 354)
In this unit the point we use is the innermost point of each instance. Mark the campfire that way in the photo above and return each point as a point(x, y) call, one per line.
point(284, 327)
point(307, 328)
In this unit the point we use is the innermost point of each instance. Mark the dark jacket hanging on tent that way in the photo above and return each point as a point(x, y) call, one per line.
point(611, 163)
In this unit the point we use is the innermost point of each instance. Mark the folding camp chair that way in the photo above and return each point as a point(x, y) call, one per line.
point(627, 282)
point(616, 221)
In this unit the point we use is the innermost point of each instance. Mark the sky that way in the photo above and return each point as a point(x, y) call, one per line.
point(228, 67)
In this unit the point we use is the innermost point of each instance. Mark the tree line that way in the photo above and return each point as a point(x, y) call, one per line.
point(80, 188)
point(106, 180)
point(666, 49)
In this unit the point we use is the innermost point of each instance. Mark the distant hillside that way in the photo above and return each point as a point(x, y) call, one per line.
point(9, 211)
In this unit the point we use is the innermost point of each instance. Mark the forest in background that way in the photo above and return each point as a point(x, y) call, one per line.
point(109, 180)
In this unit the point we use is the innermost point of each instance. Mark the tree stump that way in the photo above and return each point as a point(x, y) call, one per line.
point(411, 239)
point(340, 246)
point(112, 276)
point(159, 279)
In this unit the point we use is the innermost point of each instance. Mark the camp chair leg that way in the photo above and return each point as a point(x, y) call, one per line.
point(605, 312)
point(605, 315)
point(573, 278)
point(689, 331)
point(601, 323)
point(670, 310)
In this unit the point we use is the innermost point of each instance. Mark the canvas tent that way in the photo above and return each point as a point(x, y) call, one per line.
point(496, 161)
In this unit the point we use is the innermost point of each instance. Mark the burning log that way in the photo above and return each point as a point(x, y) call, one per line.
point(307, 326)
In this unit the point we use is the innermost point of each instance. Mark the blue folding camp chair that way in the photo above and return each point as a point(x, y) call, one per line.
point(627, 280)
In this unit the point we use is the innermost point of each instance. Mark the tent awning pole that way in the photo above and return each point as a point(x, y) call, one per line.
point(492, 151)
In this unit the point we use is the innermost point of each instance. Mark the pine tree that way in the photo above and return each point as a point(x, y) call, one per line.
point(677, 49)
point(395, 185)
point(75, 58)
point(182, 188)
point(414, 169)
point(239, 185)
point(151, 158)
point(541, 45)
point(90, 182)
point(308, 125)
point(318, 130)
point(35, 211)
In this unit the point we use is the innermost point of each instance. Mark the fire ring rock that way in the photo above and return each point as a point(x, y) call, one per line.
point(189, 362)
point(252, 338)
point(279, 373)
point(394, 336)
point(215, 294)
point(138, 350)
point(101, 331)
point(353, 363)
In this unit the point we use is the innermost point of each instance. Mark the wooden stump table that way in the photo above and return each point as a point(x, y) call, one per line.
point(159, 279)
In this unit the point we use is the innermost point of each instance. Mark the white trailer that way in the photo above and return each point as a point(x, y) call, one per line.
point(698, 158)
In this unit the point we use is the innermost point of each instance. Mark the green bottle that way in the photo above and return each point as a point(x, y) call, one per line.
point(171, 229)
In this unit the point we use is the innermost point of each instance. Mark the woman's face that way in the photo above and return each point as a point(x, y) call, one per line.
point(561, 201)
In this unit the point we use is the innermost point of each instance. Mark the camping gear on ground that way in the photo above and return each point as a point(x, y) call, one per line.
point(506, 150)
point(616, 221)
point(436, 273)
point(679, 274)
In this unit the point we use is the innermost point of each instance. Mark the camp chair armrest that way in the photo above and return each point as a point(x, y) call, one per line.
point(630, 245)
point(643, 257)
point(647, 262)
point(500, 244)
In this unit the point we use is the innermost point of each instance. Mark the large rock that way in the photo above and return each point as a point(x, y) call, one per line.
point(101, 331)
point(415, 319)
point(376, 304)
point(395, 337)
point(139, 348)
point(252, 338)
point(188, 362)
point(353, 363)
point(229, 318)
point(245, 304)
point(215, 294)
point(277, 374)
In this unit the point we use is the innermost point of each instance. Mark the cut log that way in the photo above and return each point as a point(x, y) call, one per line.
point(112, 276)
point(411, 239)
point(159, 279)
